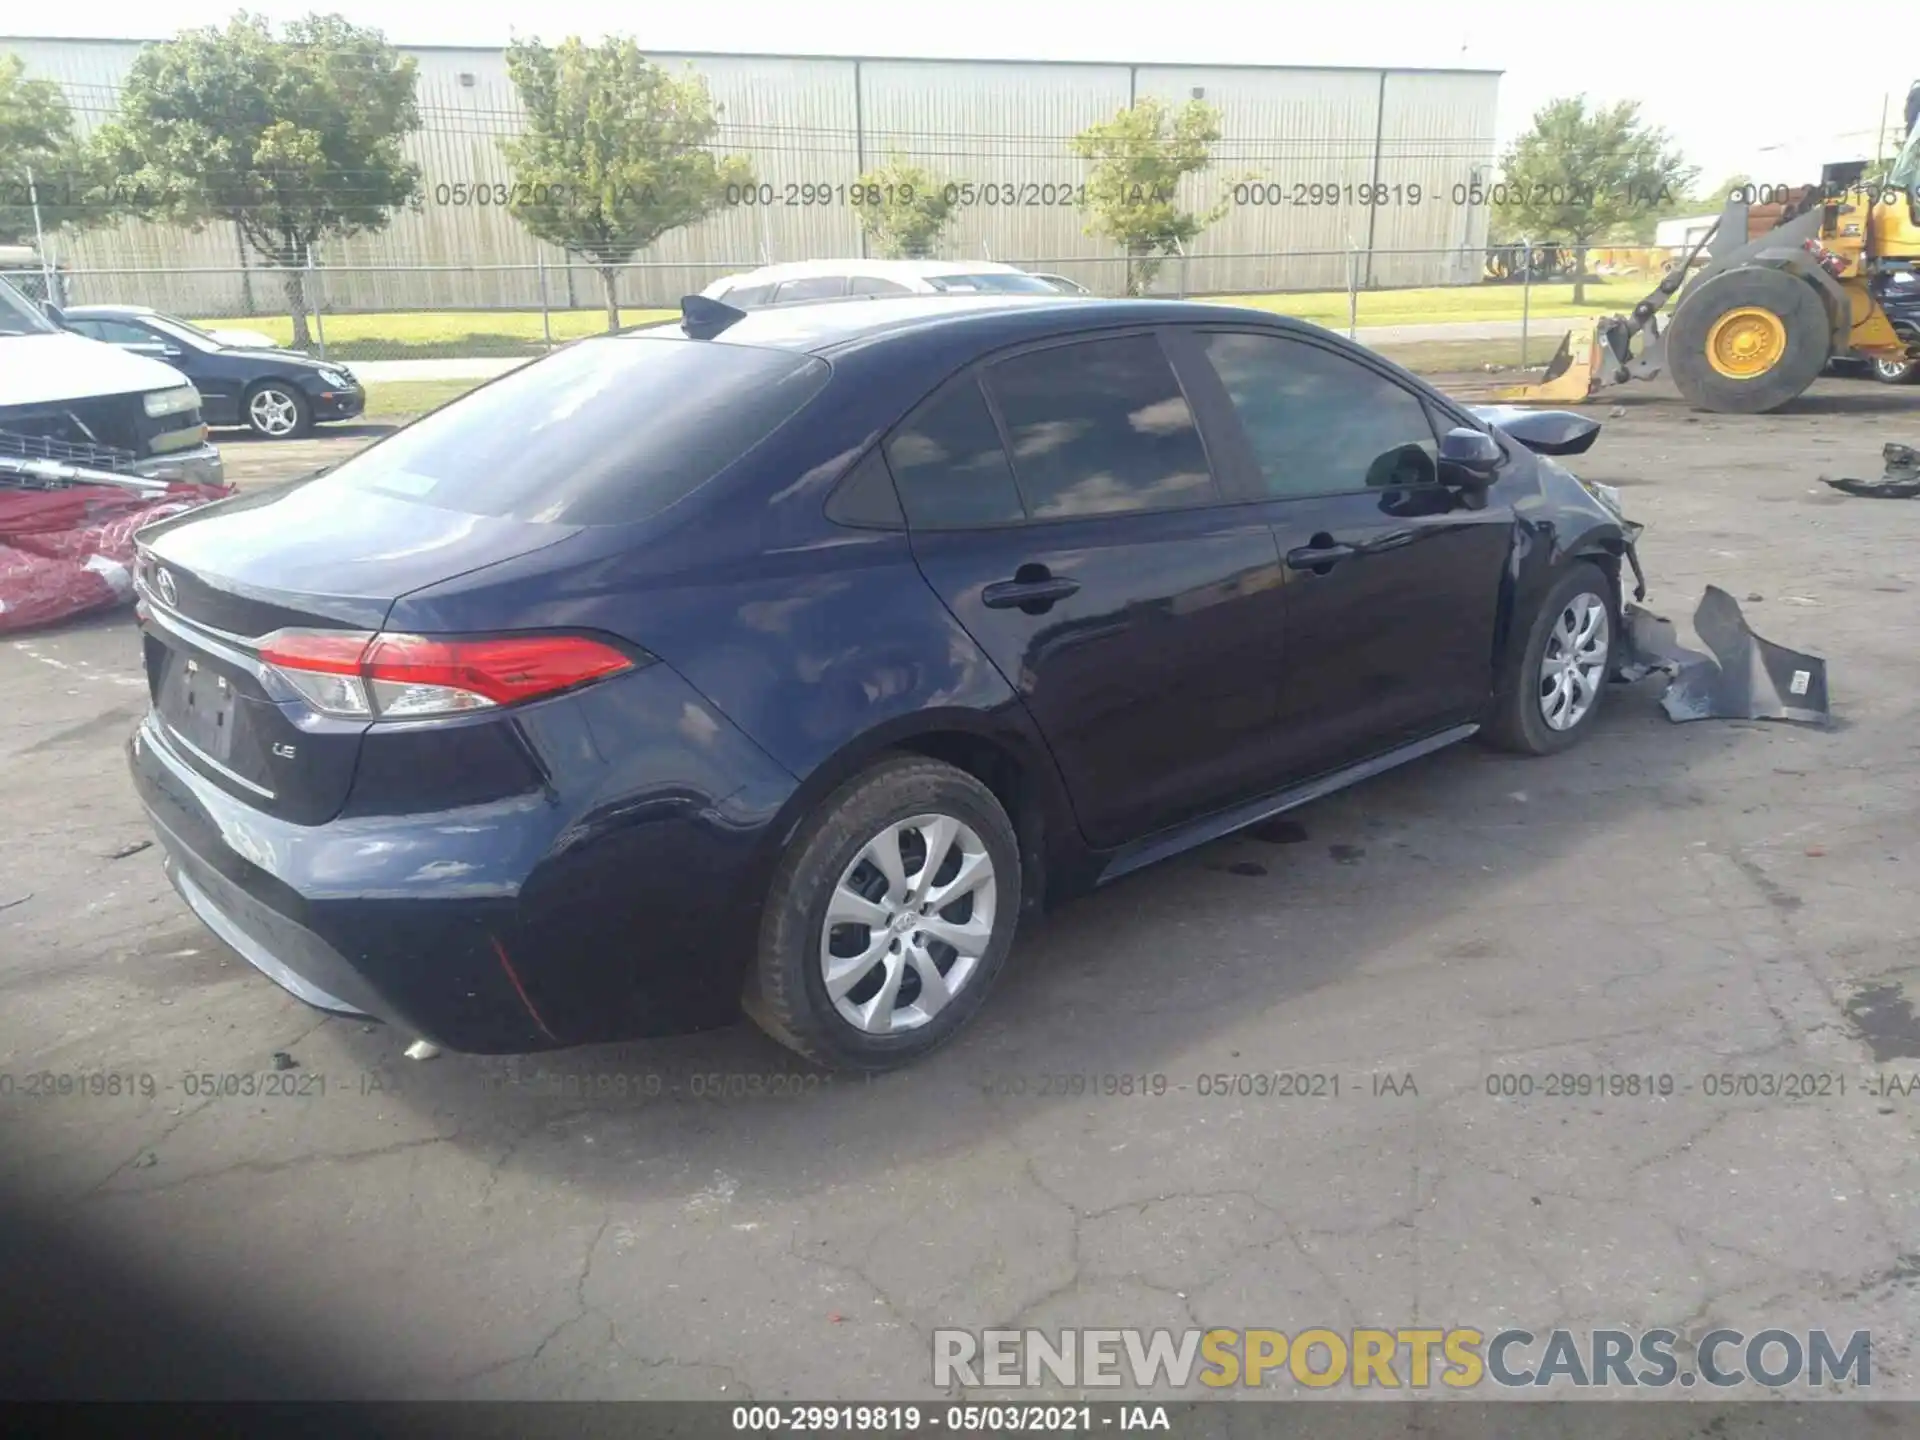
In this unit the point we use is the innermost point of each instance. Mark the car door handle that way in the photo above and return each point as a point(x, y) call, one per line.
point(1033, 595)
point(1320, 554)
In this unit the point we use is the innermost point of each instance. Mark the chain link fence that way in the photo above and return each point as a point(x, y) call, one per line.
point(449, 319)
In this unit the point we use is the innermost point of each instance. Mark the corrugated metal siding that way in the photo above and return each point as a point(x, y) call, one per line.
point(1004, 130)
point(1280, 130)
point(1003, 127)
point(1437, 134)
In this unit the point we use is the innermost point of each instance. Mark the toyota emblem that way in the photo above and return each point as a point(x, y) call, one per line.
point(167, 593)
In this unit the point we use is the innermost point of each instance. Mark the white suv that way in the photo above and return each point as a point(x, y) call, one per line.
point(835, 279)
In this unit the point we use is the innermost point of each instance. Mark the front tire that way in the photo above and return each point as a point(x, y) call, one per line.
point(1748, 341)
point(1896, 372)
point(888, 919)
point(1554, 683)
point(276, 410)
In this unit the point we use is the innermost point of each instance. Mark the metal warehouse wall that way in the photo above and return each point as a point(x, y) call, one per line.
point(1294, 140)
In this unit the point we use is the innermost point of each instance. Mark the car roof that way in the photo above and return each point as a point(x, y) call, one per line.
point(84, 310)
point(884, 269)
point(824, 326)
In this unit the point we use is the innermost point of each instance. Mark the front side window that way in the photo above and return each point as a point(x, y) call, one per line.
point(1319, 423)
point(992, 282)
point(1100, 426)
point(875, 285)
point(119, 332)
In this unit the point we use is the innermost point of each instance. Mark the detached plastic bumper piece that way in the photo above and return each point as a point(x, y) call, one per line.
point(1745, 678)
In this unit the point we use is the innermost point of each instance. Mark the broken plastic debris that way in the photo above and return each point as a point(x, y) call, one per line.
point(1746, 677)
point(422, 1050)
point(1900, 482)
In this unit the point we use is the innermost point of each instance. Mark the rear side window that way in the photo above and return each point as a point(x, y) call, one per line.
point(603, 432)
point(948, 465)
point(1100, 426)
point(1320, 423)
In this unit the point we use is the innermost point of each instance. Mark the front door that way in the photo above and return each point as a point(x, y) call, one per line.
point(1392, 579)
point(1137, 617)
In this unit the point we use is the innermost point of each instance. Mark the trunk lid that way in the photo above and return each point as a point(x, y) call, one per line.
point(218, 581)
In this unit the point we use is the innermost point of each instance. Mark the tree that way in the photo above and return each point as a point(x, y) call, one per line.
point(39, 158)
point(904, 208)
point(614, 153)
point(295, 140)
point(1139, 158)
point(1578, 174)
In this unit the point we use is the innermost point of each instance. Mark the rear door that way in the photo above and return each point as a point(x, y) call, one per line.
point(1392, 578)
point(1062, 504)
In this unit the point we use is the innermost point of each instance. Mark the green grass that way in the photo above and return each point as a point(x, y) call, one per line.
point(397, 401)
point(438, 334)
point(1451, 304)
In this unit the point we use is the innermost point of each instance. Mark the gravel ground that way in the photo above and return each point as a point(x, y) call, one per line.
point(1716, 899)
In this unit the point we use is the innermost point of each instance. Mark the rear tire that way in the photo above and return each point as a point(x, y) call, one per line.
point(1896, 372)
point(1791, 301)
point(1536, 710)
point(872, 986)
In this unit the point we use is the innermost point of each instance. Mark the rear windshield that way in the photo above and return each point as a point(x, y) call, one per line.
point(603, 432)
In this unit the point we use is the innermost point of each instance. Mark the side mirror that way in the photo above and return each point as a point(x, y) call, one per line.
point(1470, 456)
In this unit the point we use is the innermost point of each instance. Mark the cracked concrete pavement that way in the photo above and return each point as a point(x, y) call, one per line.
point(704, 1217)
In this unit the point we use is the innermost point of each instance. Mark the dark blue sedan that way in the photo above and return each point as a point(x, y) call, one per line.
point(782, 661)
point(278, 394)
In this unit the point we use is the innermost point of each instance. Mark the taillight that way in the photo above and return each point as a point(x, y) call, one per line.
point(354, 674)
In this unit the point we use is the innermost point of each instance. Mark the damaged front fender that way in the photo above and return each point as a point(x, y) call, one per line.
point(1745, 678)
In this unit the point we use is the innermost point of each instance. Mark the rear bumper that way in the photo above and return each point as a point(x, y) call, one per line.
point(610, 905)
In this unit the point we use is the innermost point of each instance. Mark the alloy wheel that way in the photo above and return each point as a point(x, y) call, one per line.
point(273, 413)
point(908, 924)
point(1574, 666)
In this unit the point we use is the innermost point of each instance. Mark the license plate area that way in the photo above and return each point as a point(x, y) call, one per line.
point(199, 705)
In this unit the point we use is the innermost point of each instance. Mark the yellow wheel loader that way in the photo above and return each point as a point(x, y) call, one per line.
point(1789, 282)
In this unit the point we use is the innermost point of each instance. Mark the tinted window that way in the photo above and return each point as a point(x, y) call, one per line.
point(1100, 426)
point(998, 283)
point(874, 285)
point(1320, 423)
point(742, 296)
point(599, 433)
point(817, 287)
point(948, 465)
point(118, 332)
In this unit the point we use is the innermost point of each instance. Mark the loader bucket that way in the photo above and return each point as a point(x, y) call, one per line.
point(1570, 376)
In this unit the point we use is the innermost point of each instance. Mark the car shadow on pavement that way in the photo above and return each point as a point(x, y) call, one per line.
point(1206, 962)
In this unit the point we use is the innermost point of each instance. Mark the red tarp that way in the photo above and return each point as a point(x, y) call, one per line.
point(65, 552)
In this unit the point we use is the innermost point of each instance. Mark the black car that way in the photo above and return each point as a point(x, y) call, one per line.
point(782, 660)
point(278, 394)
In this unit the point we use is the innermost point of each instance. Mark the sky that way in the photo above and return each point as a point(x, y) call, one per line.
point(1734, 89)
